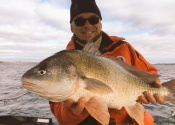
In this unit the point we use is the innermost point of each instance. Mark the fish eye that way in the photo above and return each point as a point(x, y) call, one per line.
point(42, 72)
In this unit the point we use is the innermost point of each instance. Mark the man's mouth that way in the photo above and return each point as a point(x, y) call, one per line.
point(87, 33)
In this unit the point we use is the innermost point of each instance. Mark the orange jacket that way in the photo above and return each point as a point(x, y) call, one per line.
point(110, 46)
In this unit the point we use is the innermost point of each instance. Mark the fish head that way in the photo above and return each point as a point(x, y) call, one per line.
point(54, 78)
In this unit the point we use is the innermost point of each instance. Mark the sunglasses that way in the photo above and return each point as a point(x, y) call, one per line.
point(81, 21)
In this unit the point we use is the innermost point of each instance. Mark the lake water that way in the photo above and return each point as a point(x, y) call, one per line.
point(21, 102)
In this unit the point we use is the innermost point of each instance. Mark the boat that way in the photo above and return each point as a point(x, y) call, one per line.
point(24, 120)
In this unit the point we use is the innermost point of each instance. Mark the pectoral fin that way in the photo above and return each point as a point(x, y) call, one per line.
point(98, 109)
point(136, 112)
point(97, 86)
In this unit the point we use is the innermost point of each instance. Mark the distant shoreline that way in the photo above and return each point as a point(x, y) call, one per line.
point(164, 64)
point(17, 62)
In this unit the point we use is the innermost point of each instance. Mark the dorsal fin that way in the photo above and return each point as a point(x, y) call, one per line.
point(145, 76)
point(92, 49)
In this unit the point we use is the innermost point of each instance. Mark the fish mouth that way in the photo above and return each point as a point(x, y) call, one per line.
point(39, 91)
point(29, 85)
point(33, 88)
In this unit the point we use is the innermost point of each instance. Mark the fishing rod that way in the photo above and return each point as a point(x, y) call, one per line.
point(21, 120)
point(5, 100)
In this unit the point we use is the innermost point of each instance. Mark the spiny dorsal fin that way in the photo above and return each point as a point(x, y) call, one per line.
point(145, 76)
point(92, 49)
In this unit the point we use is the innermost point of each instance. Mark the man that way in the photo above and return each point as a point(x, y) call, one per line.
point(85, 19)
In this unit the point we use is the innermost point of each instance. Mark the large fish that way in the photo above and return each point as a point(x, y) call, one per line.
point(105, 82)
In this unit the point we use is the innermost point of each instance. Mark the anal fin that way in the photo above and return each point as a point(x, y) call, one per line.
point(98, 109)
point(136, 112)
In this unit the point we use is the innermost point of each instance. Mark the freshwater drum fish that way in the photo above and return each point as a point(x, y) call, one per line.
point(105, 82)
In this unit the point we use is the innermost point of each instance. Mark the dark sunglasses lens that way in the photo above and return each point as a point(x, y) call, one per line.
point(80, 22)
point(93, 20)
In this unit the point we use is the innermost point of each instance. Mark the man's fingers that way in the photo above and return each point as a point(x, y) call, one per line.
point(78, 109)
point(68, 103)
point(149, 97)
point(157, 85)
point(159, 98)
point(143, 99)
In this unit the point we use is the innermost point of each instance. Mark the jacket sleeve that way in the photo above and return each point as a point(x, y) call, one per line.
point(65, 116)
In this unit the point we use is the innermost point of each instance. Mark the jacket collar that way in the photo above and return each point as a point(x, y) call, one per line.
point(105, 42)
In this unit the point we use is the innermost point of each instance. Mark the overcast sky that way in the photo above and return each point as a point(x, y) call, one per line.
point(31, 30)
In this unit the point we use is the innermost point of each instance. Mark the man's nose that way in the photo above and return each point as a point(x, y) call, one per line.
point(87, 23)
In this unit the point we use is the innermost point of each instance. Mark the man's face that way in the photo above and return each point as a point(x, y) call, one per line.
point(88, 31)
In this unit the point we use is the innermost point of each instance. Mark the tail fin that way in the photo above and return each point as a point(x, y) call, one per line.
point(171, 87)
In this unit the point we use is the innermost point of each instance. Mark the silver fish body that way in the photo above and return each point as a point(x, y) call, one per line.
point(105, 82)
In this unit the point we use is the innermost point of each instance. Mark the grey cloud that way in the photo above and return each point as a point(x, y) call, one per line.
point(57, 17)
point(140, 14)
point(154, 47)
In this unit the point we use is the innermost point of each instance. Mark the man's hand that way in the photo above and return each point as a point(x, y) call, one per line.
point(77, 108)
point(147, 97)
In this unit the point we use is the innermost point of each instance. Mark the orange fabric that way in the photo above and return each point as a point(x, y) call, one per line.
point(66, 117)
point(121, 117)
point(148, 119)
